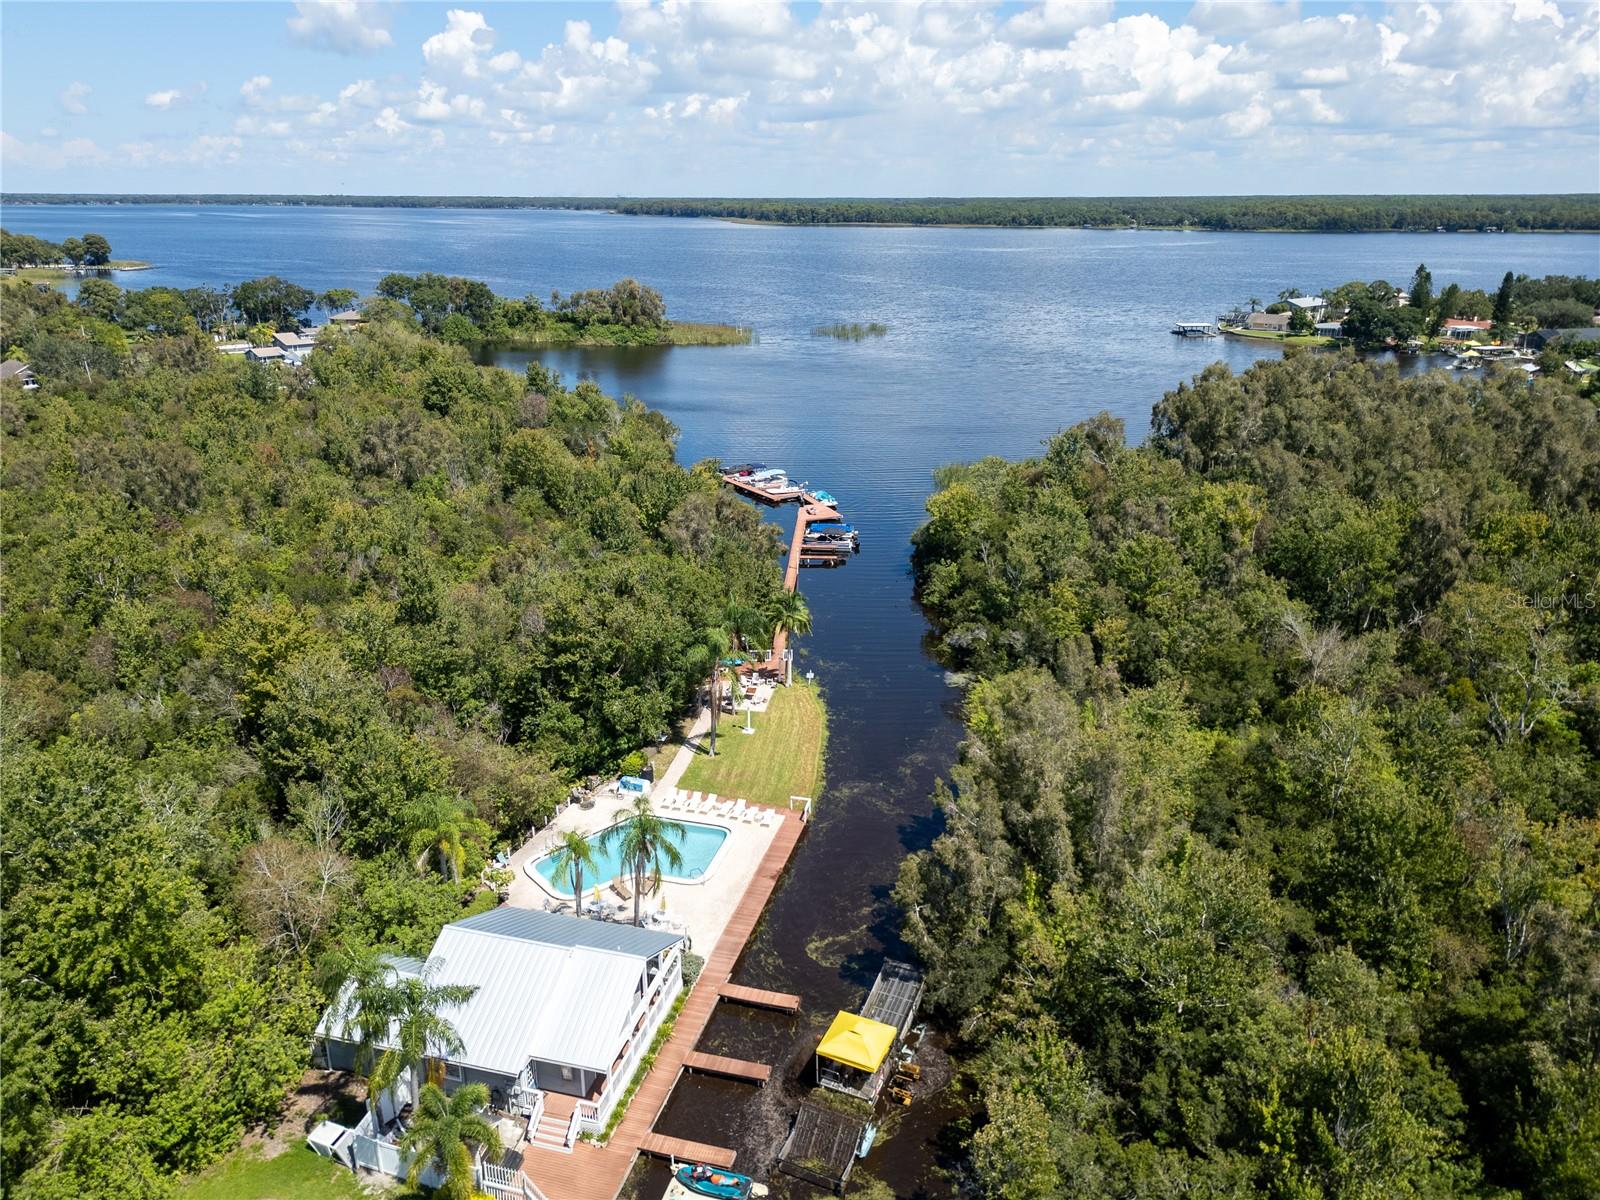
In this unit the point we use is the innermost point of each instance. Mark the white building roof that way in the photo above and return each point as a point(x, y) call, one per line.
point(1308, 302)
point(554, 988)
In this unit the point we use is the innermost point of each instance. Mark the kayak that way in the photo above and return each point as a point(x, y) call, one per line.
point(713, 1181)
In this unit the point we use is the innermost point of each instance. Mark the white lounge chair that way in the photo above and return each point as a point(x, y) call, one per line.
point(768, 818)
point(709, 803)
point(752, 814)
point(737, 811)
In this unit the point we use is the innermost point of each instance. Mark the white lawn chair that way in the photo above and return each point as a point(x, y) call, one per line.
point(709, 803)
point(752, 814)
point(672, 799)
point(737, 811)
point(768, 817)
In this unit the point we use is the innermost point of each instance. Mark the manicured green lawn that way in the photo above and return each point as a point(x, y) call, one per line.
point(296, 1174)
point(782, 758)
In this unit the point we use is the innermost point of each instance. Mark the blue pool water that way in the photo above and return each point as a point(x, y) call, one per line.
point(698, 845)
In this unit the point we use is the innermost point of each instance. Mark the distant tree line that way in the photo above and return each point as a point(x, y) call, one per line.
point(24, 250)
point(1328, 214)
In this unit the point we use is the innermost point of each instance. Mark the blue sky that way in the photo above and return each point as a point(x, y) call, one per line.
point(738, 97)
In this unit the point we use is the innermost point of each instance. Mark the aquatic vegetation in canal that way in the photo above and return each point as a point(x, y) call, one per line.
point(853, 332)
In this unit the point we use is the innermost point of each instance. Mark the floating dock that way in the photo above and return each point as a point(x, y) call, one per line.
point(821, 1148)
point(683, 1150)
point(729, 1068)
point(760, 997)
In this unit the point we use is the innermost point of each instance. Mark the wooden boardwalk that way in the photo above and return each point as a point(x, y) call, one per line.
point(686, 1151)
point(592, 1173)
point(730, 1068)
point(760, 997)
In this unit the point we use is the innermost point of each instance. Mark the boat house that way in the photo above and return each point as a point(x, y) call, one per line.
point(857, 1053)
point(562, 1005)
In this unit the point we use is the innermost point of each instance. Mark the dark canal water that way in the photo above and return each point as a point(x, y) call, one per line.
point(997, 339)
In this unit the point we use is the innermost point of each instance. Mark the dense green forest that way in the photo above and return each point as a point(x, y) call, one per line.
point(23, 250)
point(286, 653)
point(1271, 860)
point(1327, 214)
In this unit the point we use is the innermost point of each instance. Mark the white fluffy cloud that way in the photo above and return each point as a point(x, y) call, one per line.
point(343, 26)
point(864, 94)
point(72, 97)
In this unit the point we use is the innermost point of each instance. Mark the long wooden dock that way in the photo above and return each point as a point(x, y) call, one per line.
point(686, 1151)
point(728, 1068)
point(590, 1172)
point(759, 997)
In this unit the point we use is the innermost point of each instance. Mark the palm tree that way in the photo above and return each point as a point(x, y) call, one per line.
point(364, 1004)
point(706, 656)
point(445, 1131)
point(440, 827)
point(572, 855)
point(413, 1006)
point(646, 842)
point(787, 610)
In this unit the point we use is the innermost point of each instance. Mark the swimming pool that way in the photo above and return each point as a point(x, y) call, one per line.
point(700, 846)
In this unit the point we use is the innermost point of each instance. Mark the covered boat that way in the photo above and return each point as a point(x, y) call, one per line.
point(822, 497)
point(704, 1180)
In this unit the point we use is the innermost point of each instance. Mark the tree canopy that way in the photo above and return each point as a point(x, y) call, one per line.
point(287, 653)
point(1270, 860)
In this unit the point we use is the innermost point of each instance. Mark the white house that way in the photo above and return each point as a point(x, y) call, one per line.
point(1314, 306)
point(266, 354)
point(562, 1005)
point(14, 370)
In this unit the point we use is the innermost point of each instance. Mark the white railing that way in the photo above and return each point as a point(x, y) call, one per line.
point(574, 1124)
point(535, 1113)
point(506, 1181)
point(585, 1116)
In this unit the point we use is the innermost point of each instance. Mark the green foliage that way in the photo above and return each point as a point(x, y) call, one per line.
point(445, 1134)
point(285, 656)
point(1269, 865)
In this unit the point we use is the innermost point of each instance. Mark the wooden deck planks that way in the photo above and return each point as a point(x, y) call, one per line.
point(592, 1173)
point(687, 1151)
point(731, 1068)
point(760, 997)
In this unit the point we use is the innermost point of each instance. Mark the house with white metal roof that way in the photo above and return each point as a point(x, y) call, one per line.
point(561, 1004)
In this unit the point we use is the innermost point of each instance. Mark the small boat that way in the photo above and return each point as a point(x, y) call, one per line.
point(782, 489)
point(868, 1136)
point(705, 1180)
point(766, 475)
point(835, 528)
point(822, 497)
point(822, 560)
point(743, 469)
point(1195, 329)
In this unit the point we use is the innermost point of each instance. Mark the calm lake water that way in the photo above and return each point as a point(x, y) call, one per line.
point(997, 339)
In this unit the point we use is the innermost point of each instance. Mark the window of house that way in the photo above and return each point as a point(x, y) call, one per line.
point(566, 1073)
point(452, 1072)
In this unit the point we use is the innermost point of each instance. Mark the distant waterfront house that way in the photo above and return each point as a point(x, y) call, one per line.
point(1268, 322)
point(350, 316)
point(16, 371)
point(1330, 328)
point(1462, 327)
point(562, 1005)
point(1587, 336)
point(295, 346)
point(266, 354)
point(1313, 306)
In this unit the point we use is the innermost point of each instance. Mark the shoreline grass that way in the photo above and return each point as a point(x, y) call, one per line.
point(853, 331)
point(674, 333)
point(783, 758)
point(1272, 335)
point(51, 274)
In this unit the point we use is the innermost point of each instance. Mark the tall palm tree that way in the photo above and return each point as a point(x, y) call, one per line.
point(647, 843)
point(572, 856)
point(362, 981)
point(787, 610)
point(706, 657)
point(419, 1029)
point(444, 1133)
point(440, 827)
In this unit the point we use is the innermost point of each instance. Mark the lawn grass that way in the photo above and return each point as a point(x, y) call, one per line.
point(296, 1174)
point(782, 758)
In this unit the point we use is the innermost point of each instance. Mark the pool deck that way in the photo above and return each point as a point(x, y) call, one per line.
point(592, 1172)
point(704, 907)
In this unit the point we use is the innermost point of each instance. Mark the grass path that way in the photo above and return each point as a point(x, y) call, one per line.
point(782, 758)
point(296, 1174)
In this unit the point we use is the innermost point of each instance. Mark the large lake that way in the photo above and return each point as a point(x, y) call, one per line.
point(997, 338)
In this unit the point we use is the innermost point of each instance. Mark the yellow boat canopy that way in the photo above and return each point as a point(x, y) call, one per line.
point(857, 1041)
